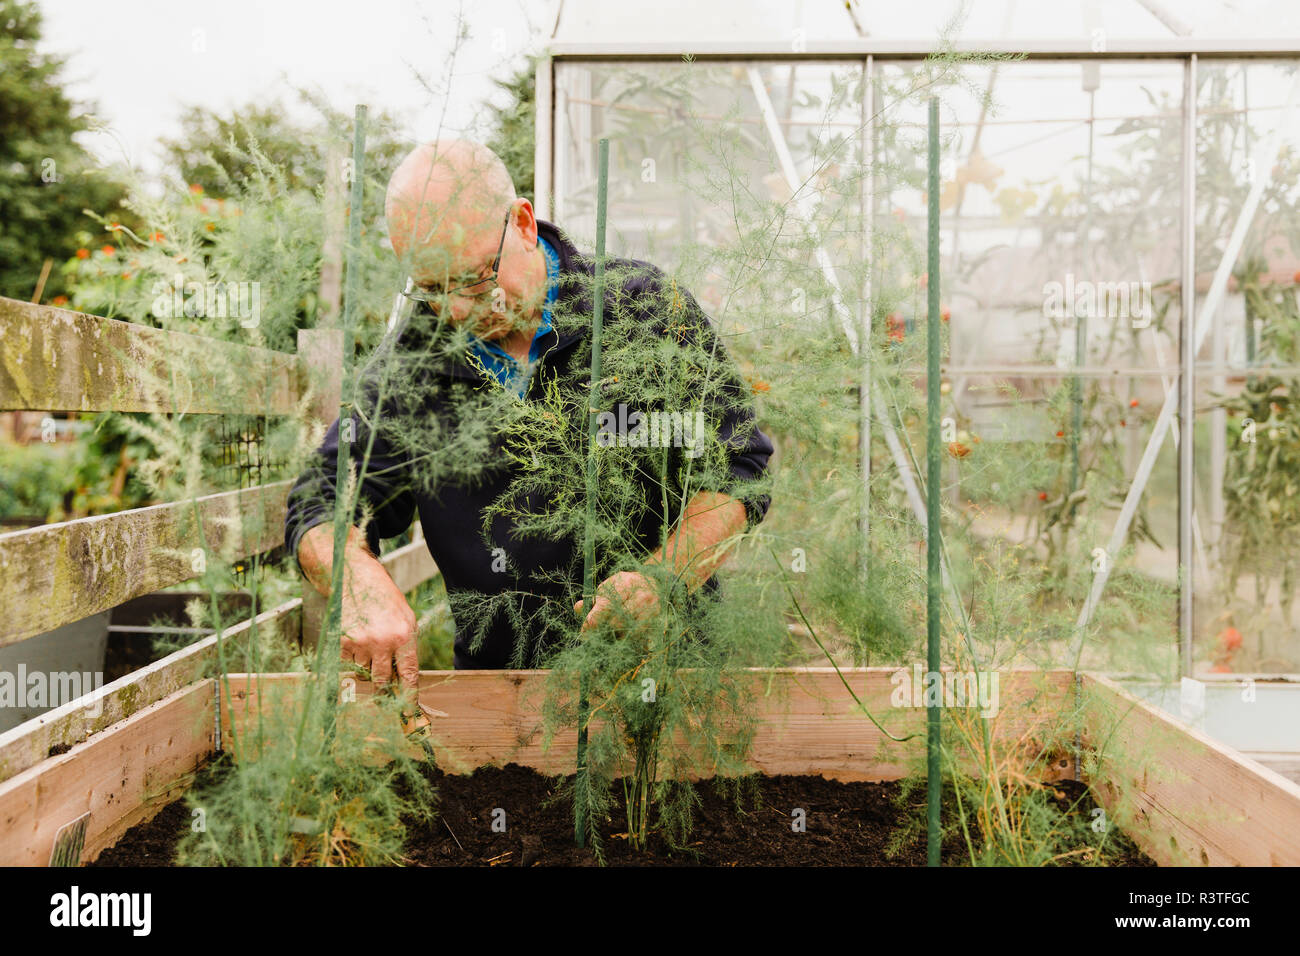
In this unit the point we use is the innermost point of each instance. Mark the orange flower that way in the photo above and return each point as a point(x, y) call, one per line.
point(1230, 638)
point(126, 275)
point(212, 227)
point(945, 314)
point(60, 300)
point(758, 385)
point(1042, 496)
point(196, 189)
point(1060, 434)
point(108, 250)
point(83, 253)
point(896, 326)
point(156, 237)
point(1133, 403)
point(114, 226)
point(958, 450)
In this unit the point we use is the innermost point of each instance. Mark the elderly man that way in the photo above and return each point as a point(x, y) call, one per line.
point(481, 261)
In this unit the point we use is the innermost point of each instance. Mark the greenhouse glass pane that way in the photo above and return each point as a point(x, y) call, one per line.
point(1029, 513)
point(690, 147)
point(1060, 218)
point(1061, 188)
point(1248, 368)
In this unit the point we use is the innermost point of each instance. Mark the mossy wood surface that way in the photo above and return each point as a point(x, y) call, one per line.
point(57, 360)
point(58, 573)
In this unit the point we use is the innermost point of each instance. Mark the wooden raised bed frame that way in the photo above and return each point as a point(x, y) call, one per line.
point(1183, 798)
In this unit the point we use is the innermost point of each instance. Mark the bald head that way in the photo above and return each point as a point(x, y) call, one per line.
point(452, 216)
point(445, 200)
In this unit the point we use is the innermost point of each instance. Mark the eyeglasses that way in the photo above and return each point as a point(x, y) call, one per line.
point(435, 294)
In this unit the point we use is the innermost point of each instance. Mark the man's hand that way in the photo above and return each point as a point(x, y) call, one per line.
point(627, 598)
point(693, 552)
point(378, 625)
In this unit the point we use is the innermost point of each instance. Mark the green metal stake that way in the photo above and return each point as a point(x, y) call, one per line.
point(932, 547)
point(589, 548)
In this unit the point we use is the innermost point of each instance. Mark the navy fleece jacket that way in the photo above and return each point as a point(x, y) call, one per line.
point(536, 571)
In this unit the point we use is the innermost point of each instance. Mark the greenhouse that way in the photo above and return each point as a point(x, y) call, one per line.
point(875, 420)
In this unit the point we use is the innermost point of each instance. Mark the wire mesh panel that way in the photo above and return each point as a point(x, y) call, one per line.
point(242, 462)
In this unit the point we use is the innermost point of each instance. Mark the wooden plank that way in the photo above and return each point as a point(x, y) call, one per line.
point(122, 777)
point(808, 723)
point(169, 607)
point(1184, 798)
point(320, 355)
point(1285, 763)
point(57, 360)
point(63, 572)
point(76, 721)
point(410, 565)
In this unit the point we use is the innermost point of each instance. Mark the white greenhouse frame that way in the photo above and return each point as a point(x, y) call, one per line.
point(1179, 395)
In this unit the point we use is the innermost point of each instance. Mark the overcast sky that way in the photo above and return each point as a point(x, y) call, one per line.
point(143, 61)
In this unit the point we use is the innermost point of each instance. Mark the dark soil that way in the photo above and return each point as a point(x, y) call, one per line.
point(747, 824)
point(753, 825)
point(150, 844)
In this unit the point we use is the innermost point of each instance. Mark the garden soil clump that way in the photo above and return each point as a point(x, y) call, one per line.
point(511, 816)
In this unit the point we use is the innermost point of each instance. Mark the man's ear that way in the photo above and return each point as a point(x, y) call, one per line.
point(525, 218)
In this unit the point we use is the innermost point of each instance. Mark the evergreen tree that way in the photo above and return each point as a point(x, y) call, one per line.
point(46, 178)
point(513, 134)
point(216, 150)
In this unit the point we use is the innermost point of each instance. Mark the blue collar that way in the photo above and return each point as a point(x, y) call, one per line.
point(500, 363)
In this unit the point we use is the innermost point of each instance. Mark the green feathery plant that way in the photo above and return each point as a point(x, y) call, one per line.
point(296, 787)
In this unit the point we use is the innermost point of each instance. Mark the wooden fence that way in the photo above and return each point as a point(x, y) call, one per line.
point(57, 360)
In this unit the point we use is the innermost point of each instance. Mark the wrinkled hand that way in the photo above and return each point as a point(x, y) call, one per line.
point(626, 599)
point(378, 627)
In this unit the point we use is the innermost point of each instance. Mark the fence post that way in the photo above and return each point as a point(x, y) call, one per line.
point(321, 354)
point(331, 267)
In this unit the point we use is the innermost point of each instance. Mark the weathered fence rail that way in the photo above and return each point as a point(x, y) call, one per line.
point(58, 573)
point(58, 360)
point(74, 722)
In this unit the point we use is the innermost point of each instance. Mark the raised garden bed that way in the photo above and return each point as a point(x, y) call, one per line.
point(1181, 797)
